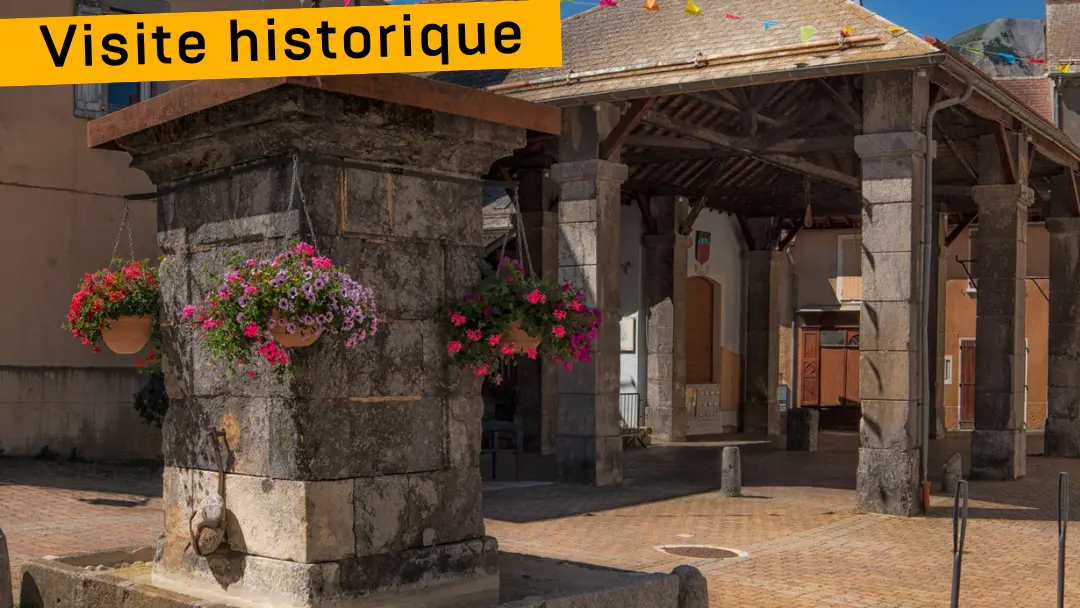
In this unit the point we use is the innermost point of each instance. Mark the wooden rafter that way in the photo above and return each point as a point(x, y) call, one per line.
point(790, 236)
point(840, 105)
point(665, 142)
point(1006, 155)
point(784, 161)
point(746, 234)
point(646, 213)
point(970, 168)
point(959, 229)
point(714, 99)
point(1074, 194)
point(614, 141)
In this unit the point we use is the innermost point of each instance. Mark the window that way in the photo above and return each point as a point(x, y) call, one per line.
point(948, 369)
point(849, 267)
point(97, 100)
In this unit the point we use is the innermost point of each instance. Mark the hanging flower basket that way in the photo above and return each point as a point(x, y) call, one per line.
point(263, 308)
point(513, 314)
point(115, 307)
point(301, 336)
point(127, 335)
point(521, 341)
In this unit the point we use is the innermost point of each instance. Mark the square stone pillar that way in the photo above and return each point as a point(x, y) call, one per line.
point(998, 442)
point(357, 476)
point(1062, 437)
point(588, 445)
point(893, 154)
point(538, 380)
point(664, 262)
point(768, 280)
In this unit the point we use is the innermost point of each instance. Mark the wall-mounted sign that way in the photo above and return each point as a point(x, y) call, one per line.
point(702, 240)
point(626, 334)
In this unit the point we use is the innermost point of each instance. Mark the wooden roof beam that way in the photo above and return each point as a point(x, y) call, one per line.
point(784, 161)
point(630, 119)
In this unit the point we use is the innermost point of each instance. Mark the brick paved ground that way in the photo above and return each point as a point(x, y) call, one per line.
point(806, 544)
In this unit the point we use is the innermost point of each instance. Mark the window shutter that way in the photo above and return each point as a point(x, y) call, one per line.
point(89, 98)
point(146, 90)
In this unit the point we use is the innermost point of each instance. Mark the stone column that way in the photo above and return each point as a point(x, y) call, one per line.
point(1063, 372)
point(538, 381)
point(587, 442)
point(664, 292)
point(998, 441)
point(893, 156)
point(357, 476)
point(768, 279)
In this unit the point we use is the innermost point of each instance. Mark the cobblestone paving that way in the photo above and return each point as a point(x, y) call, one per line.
point(805, 544)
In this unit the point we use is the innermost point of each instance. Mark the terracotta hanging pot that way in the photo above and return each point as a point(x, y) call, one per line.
point(521, 341)
point(304, 336)
point(127, 335)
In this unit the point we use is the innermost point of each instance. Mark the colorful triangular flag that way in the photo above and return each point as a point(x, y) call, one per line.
point(608, 3)
point(847, 31)
point(1064, 68)
point(769, 23)
point(730, 16)
point(1008, 57)
point(806, 32)
point(895, 29)
point(976, 51)
point(1035, 60)
point(348, 2)
point(691, 8)
point(930, 39)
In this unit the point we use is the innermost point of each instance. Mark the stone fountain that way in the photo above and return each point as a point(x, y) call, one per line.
point(356, 481)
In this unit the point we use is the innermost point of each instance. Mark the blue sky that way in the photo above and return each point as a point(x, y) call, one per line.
point(937, 18)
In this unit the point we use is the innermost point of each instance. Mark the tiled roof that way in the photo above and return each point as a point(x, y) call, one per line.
point(1062, 31)
point(1034, 91)
point(627, 36)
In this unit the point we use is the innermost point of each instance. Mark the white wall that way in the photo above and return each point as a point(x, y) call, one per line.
point(725, 266)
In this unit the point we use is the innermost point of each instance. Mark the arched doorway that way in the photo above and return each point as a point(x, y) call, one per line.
point(699, 331)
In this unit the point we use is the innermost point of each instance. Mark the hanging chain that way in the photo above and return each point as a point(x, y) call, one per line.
point(293, 190)
point(125, 221)
point(517, 226)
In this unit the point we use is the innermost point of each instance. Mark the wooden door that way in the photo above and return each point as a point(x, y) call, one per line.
point(699, 331)
point(967, 380)
point(851, 351)
point(808, 380)
point(833, 368)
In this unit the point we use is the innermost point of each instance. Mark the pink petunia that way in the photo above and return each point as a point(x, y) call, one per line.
point(188, 311)
point(535, 297)
point(322, 263)
point(560, 314)
point(568, 366)
point(454, 346)
point(508, 349)
point(251, 290)
point(559, 331)
point(251, 330)
point(575, 305)
point(457, 319)
point(494, 339)
point(474, 334)
point(482, 370)
point(531, 353)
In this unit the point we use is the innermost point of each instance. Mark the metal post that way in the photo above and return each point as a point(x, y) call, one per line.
point(959, 529)
point(1063, 524)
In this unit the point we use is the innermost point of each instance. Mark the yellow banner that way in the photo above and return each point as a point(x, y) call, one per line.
point(285, 42)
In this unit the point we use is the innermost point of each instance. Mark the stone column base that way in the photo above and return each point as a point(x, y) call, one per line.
point(1062, 438)
point(998, 455)
point(888, 481)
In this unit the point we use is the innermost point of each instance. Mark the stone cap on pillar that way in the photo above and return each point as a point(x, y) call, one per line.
point(1001, 194)
point(316, 112)
point(889, 144)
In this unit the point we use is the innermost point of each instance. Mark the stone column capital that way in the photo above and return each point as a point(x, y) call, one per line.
point(1003, 194)
point(593, 169)
point(1063, 225)
point(879, 145)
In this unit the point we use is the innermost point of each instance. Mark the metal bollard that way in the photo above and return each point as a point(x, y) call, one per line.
point(1063, 524)
point(730, 472)
point(959, 529)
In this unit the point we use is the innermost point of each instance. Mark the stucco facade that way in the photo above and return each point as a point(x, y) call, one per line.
point(63, 204)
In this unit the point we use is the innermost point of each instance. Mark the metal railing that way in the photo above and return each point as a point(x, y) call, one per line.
point(631, 411)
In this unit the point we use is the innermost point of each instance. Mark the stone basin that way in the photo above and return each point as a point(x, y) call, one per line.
point(123, 578)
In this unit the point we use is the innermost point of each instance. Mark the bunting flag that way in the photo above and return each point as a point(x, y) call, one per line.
point(769, 23)
point(976, 51)
point(930, 39)
point(651, 5)
point(1035, 60)
point(730, 16)
point(348, 2)
point(1064, 68)
point(847, 31)
point(895, 29)
point(806, 32)
point(691, 8)
point(608, 3)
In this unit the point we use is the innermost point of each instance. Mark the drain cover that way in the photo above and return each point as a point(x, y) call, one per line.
point(699, 551)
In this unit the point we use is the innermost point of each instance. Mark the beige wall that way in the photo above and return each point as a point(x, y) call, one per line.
point(62, 204)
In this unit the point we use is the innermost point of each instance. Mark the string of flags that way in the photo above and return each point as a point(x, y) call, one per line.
point(806, 32)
